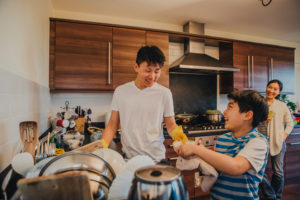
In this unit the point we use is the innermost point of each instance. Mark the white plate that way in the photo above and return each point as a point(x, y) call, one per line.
point(114, 159)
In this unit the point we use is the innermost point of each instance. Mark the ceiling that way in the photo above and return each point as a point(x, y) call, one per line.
point(279, 20)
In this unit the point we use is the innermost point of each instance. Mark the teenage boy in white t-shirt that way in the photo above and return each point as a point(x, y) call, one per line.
point(140, 107)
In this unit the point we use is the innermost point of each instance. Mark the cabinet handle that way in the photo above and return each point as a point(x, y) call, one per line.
point(271, 68)
point(294, 143)
point(109, 65)
point(252, 72)
point(248, 74)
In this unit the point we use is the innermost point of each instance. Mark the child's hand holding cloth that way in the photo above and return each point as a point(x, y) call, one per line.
point(177, 134)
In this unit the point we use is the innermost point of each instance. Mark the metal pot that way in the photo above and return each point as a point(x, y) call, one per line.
point(99, 172)
point(214, 116)
point(185, 118)
point(159, 182)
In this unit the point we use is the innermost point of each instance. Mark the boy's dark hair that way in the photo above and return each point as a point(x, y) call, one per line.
point(150, 54)
point(251, 100)
point(280, 86)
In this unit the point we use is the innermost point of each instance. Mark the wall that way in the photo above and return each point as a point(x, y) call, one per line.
point(24, 69)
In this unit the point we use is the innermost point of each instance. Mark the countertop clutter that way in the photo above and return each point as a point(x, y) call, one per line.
point(190, 177)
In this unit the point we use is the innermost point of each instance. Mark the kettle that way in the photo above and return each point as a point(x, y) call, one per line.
point(159, 182)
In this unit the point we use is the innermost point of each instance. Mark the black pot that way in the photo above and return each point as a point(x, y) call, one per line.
point(159, 182)
point(185, 118)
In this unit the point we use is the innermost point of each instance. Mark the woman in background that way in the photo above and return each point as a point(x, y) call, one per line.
point(277, 127)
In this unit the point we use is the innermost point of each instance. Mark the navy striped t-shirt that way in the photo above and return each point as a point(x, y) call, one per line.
point(244, 186)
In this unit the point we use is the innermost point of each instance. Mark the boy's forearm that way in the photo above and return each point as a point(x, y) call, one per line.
point(222, 162)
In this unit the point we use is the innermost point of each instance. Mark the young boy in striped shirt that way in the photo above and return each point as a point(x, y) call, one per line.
point(240, 155)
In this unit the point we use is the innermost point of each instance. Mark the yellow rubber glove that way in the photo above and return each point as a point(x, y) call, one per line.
point(104, 143)
point(177, 134)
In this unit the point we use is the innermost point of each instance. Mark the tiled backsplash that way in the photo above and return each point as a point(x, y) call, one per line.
point(193, 93)
point(21, 100)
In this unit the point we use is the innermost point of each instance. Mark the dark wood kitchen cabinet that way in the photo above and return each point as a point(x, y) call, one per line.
point(161, 40)
point(291, 159)
point(126, 43)
point(282, 67)
point(258, 64)
point(253, 65)
point(188, 175)
point(80, 56)
point(93, 57)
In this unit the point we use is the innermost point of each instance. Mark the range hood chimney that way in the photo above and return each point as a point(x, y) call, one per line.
point(195, 59)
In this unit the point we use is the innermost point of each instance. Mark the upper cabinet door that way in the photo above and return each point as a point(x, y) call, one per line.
point(126, 43)
point(241, 60)
point(253, 62)
point(161, 40)
point(282, 68)
point(82, 57)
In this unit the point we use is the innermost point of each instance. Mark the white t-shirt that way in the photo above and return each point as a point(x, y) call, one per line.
point(255, 152)
point(141, 115)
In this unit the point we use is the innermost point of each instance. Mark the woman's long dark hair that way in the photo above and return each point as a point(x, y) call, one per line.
point(280, 86)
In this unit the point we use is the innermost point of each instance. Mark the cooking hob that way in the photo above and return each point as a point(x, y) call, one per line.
point(201, 125)
point(204, 128)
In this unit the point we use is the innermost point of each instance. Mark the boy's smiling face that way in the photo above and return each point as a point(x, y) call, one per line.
point(234, 119)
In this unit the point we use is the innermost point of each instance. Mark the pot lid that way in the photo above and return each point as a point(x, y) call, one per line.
point(157, 174)
point(213, 112)
point(185, 115)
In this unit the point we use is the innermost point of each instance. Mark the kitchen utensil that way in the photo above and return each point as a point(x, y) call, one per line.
point(80, 122)
point(53, 133)
point(91, 146)
point(158, 182)
point(22, 162)
point(29, 136)
point(185, 118)
point(100, 173)
point(214, 116)
point(126, 175)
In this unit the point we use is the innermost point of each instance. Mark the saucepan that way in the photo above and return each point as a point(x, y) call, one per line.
point(214, 116)
point(160, 182)
point(186, 118)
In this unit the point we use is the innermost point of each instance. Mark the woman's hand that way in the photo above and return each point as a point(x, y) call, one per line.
point(185, 150)
point(285, 136)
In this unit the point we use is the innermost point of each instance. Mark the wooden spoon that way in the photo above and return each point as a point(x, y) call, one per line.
point(29, 136)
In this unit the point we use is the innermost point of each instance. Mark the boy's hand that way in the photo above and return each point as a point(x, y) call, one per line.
point(185, 150)
point(177, 134)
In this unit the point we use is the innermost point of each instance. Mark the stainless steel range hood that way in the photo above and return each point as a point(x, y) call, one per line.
point(195, 59)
